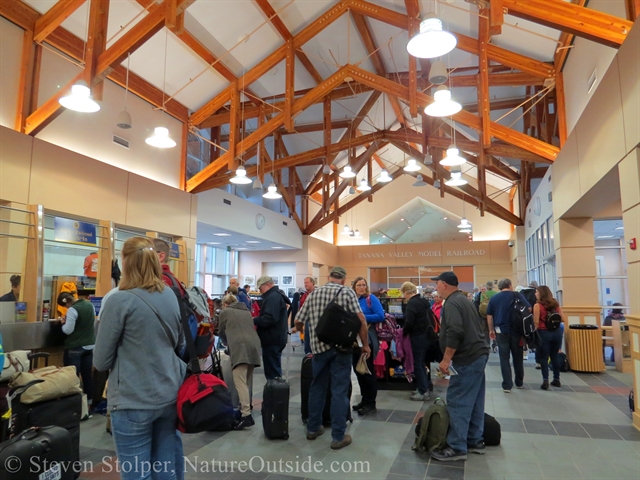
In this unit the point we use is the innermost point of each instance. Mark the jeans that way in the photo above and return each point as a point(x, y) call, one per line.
point(272, 361)
point(419, 346)
point(83, 361)
point(510, 344)
point(145, 442)
point(307, 344)
point(550, 346)
point(336, 366)
point(368, 383)
point(465, 404)
point(179, 457)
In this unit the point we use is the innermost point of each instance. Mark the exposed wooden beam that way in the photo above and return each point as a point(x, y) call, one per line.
point(506, 134)
point(495, 80)
point(584, 22)
point(304, 128)
point(96, 44)
point(26, 79)
point(54, 17)
point(278, 120)
point(633, 9)
point(289, 86)
point(483, 80)
point(565, 43)
point(561, 107)
point(502, 104)
point(496, 17)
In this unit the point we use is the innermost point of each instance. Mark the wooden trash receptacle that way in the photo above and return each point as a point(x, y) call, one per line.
point(585, 348)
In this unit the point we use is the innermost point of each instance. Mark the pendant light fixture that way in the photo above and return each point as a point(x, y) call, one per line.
point(456, 179)
point(272, 192)
point(428, 159)
point(363, 187)
point(346, 229)
point(453, 157)
point(419, 181)
point(160, 137)
point(442, 106)
point(80, 99)
point(326, 169)
point(411, 166)
point(432, 41)
point(347, 172)
point(124, 118)
point(384, 177)
point(352, 190)
point(465, 230)
point(464, 223)
point(438, 73)
point(240, 177)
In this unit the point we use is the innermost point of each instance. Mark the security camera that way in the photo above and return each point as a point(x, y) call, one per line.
point(510, 243)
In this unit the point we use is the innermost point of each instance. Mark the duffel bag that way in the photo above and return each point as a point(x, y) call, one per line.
point(14, 362)
point(204, 405)
point(58, 382)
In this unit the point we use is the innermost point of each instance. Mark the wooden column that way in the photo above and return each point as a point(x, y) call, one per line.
point(289, 86)
point(26, 80)
point(561, 109)
point(33, 270)
point(96, 45)
point(105, 256)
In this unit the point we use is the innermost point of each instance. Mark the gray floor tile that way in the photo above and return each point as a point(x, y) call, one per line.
point(381, 415)
point(399, 416)
point(570, 429)
point(582, 389)
point(511, 425)
point(409, 468)
point(601, 431)
point(542, 427)
point(627, 432)
point(395, 476)
point(436, 470)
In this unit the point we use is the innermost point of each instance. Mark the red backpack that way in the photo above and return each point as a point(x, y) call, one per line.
point(386, 330)
point(204, 405)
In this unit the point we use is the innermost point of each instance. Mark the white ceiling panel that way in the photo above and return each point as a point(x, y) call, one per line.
point(527, 38)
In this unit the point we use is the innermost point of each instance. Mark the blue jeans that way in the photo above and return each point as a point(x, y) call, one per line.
point(307, 343)
point(146, 441)
point(179, 457)
point(465, 404)
point(336, 366)
point(551, 342)
point(419, 344)
point(510, 344)
point(83, 361)
point(272, 361)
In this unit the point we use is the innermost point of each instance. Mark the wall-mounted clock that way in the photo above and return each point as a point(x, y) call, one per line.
point(260, 221)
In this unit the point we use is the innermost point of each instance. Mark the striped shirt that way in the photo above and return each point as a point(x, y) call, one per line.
point(315, 304)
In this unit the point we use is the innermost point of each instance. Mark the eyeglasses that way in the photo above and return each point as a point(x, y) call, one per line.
point(361, 284)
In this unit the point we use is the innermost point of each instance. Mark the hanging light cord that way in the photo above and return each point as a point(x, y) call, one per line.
point(126, 90)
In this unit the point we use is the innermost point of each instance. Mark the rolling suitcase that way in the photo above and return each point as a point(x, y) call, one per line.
point(37, 454)
point(275, 409)
point(306, 377)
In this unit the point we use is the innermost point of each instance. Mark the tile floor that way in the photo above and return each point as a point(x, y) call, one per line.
point(580, 431)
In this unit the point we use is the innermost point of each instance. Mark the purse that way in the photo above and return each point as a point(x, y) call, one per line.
point(16, 361)
point(362, 367)
point(58, 382)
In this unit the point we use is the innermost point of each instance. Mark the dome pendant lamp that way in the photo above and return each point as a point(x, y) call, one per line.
point(384, 177)
point(432, 41)
point(456, 179)
point(240, 177)
point(272, 192)
point(160, 137)
point(438, 73)
point(442, 106)
point(80, 99)
point(453, 158)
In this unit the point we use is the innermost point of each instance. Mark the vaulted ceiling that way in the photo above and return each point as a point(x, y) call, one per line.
point(279, 85)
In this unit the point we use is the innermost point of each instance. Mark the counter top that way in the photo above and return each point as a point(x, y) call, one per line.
point(31, 335)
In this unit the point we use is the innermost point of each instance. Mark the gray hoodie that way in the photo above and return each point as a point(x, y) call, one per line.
point(145, 371)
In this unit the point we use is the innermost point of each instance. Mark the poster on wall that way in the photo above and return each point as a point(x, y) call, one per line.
point(276, 280)
point(249, 280)
point(291, 292)
point(287, 280)
point(72, 231)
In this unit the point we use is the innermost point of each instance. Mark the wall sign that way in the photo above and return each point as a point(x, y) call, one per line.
point(73, 231)
point(425, 253)
point(174, 253)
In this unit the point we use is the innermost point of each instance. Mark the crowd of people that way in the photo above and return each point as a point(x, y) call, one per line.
point(144, 359)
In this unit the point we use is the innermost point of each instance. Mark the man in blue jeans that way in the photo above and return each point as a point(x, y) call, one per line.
point(465, 357)
point(330, 362)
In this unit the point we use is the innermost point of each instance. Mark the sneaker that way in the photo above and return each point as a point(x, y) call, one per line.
point(367, 409)
point(314, 435)
point(478, 448)
point(506, 390)
point(346, 441)
point(357, 406)
point(419, 397)
point(545, 385)
point(86, 417)
point(538, 367)
point(448, 454)
point(556, 383)
point(244, 422)
point(520, 386)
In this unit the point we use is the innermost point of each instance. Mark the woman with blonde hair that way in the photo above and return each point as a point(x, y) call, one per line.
point(138, 341)
point(237, 331)
point(551, 340)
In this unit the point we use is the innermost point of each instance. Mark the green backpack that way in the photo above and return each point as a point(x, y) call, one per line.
point(431, 430)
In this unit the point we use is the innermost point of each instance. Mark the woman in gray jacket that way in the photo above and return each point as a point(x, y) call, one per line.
point(237, 331)
point(145, 371)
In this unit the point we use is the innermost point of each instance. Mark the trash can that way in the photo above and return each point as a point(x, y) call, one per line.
point(584, 345)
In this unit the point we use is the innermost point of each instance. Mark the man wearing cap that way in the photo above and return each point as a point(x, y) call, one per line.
point(272, 327)
point(330, 362)
point(465, 358)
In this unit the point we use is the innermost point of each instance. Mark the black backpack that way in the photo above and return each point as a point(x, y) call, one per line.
point(553, 320)
point(521, 320)
point(433, 324)
point(337, 326)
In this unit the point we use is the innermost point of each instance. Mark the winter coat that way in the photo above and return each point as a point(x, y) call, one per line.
point(237, 331)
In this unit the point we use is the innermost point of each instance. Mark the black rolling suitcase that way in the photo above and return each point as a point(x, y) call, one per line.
point(492, 433)
point(275, 409)
point(37, 454)
point(306, 377)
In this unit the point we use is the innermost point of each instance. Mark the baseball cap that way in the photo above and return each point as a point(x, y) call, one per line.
point(264, 279)
point(338, 272)
point(447, 277)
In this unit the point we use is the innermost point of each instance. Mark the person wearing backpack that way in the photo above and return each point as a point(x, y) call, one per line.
point(373, 313)
point(418, 318)
point(500, 328)
point(272, 327)
point(547, 317)
point(466, 353)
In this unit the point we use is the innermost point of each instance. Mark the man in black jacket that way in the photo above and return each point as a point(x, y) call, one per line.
point(272, 327)
point(465, 358)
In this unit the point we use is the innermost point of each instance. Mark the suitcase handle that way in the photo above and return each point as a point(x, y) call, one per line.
point(45, 355)
point(15, 392)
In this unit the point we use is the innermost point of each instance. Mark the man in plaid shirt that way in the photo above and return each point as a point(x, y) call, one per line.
point(330, 362)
